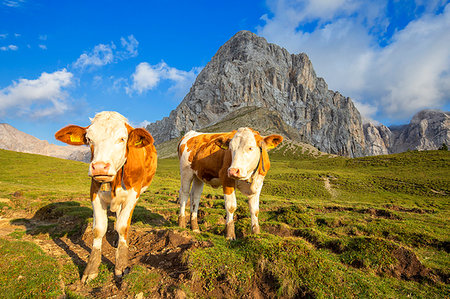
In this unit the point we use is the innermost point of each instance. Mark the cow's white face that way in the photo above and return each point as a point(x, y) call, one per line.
point(107, 136)
point(245, 153)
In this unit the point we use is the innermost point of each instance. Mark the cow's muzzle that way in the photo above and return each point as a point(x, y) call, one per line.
point(236, 173)
point(101, 172)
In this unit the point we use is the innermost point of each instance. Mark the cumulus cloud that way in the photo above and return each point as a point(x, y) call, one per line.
point(104, 54)
point(392, 75)
point(43, 47)
point(37, 98)
point(9, 48)
point(147, 77)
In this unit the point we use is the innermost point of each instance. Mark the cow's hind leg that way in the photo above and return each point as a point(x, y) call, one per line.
point(186, 180)
point(99, 230)
point(122, 228)
point(196, 192)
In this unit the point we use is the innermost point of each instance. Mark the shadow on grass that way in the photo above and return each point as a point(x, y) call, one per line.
point(64, 221)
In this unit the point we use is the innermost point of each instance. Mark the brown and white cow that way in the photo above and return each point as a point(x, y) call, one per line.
point(237, 159)
point(122, 166)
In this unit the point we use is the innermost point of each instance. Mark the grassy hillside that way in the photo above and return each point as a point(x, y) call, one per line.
point(331, 226)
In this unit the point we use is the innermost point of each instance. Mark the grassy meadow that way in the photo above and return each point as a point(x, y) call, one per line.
point(372, 227)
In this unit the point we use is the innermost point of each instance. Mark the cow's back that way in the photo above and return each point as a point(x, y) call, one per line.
point(198, 152)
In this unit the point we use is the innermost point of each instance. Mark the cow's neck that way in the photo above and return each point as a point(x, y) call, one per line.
point(260, 161)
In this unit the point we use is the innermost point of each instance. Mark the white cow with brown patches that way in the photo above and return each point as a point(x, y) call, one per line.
point(237, 159)
point(122, 167)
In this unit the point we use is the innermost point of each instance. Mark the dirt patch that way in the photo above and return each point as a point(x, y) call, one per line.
point(278, 230)
point(381, 213)
point(409, 210)
point(408, 267)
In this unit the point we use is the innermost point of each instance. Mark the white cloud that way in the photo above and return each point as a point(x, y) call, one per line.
point(42, 37)
point(342, 39)
point(37, 98)
point(9, 48)
point(43, 47)
point(13, 3)
point(147, 77)
point(4, 35)
point(100, 56)
point(130, 46)
point(104, 54)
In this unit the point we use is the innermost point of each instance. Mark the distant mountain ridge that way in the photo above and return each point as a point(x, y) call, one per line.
point(16, 140)
point(247, 72)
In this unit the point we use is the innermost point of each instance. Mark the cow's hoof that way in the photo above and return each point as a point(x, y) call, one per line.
point(194, 225)
point(121, 273)
point(91, 270)
point(230, 231)
point(88, 278)
point(255, 229)
point(182, 221)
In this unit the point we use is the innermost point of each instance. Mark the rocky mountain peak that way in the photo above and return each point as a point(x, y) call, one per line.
point(247, 71)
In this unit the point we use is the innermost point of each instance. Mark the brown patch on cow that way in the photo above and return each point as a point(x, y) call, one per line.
point(231, 210)
point(96, 233)
point(182, 221)
point(257, 213)
point(72, 134)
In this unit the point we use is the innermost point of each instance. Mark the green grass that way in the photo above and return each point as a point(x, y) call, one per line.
point(26, 272)
point(315, 241)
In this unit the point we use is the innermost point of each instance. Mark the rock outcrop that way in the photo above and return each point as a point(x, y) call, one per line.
point(428, 130)
point(247, 71)
point(15, 140)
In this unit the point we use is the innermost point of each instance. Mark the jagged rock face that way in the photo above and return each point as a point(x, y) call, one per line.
point(428, 130)
point(247, 71)
point(15, 140)
point(378, 139)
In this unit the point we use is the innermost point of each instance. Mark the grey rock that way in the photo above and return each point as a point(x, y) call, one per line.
point(16, 140)
point(428, 130)
point(247, 71)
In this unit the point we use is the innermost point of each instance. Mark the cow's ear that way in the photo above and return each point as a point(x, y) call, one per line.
point(223, 141)
point(73, 135)
point(139, 137)
point(272, 141)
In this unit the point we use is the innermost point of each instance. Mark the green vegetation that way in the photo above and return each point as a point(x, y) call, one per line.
point(26, 272)
point(331, 227)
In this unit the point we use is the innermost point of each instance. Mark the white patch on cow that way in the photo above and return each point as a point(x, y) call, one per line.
point(125, 214)
point(108, 135)
point(121, 197)
point(100, 224)
point(245, 153)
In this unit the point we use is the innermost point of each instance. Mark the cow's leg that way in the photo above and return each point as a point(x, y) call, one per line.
point(196, 192)
point(186, 180)
point(253, 204)
point(230, 206)
point(99, 229)
point(122, 228)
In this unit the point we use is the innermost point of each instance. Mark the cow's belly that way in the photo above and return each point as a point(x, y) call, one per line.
point(214, 182)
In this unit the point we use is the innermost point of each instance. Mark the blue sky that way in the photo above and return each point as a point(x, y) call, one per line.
point(63, 61)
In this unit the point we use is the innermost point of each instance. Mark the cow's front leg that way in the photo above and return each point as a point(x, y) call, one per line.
point(253, 204)
point(99, 229)
point(122, 228)
point(230, 207)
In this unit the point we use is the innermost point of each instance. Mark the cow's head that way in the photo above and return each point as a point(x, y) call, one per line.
point(249, 152)
point(110, 138)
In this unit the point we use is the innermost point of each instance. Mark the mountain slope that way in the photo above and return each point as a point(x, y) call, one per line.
point(16, 140)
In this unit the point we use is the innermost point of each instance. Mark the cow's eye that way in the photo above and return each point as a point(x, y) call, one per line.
point(250, 148)
point(123, 139)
